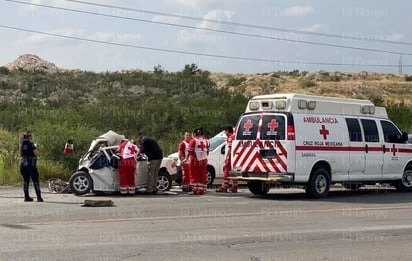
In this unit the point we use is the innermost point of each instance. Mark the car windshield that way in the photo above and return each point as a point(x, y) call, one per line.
point(216, 141)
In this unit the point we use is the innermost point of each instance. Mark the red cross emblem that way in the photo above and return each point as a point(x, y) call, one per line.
point(324, 132)
point(248, 125)
point(132, 149)
point(273, 125)
point(394, 150)
point(201, 146)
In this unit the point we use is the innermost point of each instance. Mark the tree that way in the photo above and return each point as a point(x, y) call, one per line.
point(158, 69)
point(191, 69)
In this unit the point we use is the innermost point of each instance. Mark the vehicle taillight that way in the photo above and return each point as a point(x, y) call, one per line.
point(291, 132)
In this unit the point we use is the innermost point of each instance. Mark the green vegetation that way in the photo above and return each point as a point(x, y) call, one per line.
point(306, 83)
point(236, 81)
point(401, 115)
point(408, 78)
point(83, 105)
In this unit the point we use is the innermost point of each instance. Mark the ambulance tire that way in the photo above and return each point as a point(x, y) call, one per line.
point(405, 184)
point(259, 188)
point(319, 183)
point(80, 183)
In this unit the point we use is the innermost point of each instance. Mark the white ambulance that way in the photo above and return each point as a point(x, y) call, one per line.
point(314, 141)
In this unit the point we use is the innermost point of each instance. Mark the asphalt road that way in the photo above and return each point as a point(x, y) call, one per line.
point(285, 225)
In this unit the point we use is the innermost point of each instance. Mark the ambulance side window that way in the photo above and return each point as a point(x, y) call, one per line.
point(370, 130)
point(273, 127)
point(247, 128)
point(390, 133)
point(354, 129)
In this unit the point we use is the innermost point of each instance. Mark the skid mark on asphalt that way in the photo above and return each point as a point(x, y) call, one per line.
point(223, 215)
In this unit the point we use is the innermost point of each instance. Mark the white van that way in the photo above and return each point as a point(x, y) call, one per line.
point(316, 141)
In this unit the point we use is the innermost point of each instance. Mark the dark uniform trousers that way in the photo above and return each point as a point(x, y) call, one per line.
point(28, 169)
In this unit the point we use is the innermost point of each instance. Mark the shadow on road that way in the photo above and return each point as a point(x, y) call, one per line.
point(369, 196)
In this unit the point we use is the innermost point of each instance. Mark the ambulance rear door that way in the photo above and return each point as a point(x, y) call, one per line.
point(259, 146)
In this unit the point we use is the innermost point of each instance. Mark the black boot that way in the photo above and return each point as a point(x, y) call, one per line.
point(38, 192)
point(27, 198)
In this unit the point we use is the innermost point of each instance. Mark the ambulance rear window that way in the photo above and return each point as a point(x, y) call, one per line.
point(247, 128)
point(273, 127)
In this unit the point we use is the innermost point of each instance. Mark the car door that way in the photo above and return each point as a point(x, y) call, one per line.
point(216, 156)
point(392, 161)
point(373, 150)
point(356, 149)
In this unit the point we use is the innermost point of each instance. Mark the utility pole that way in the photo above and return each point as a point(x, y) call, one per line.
point(400, 64)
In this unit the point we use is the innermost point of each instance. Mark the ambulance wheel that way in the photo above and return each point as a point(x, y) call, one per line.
point(405, 184)
point(80, 183)
point(319, 183)
point(258, 187)
point(164, 181)
point(210, 175)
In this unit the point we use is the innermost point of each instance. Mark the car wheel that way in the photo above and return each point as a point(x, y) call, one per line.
point(258, 187)
point(210, 176)
point(164, 181)
point(405, 184)
point(319, 184)
point(81, 183)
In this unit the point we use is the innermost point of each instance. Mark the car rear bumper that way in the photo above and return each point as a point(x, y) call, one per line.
point(267, 176)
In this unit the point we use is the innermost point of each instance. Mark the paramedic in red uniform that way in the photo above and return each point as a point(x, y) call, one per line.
point(227, 167)
point(127, 166)
point(68, 148)
point(198, 151)
point(183, 150)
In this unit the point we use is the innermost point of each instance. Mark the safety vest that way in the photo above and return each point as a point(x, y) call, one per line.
point(201, 148)
point(128, 150)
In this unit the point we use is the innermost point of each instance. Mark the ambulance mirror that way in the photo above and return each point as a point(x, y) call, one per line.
point(222, 150)
point(311, 105)
point(405, 137)
point(302, 104)
point(253, 105)
point(280, 105)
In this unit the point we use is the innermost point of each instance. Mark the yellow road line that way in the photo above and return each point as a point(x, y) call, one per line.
point(278, 212)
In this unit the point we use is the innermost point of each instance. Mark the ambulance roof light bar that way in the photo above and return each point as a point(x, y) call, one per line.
point(311, 105)
point(280, 105)
point(267, 105)
point(304, 104)
point(368, 109)
point(254, 105)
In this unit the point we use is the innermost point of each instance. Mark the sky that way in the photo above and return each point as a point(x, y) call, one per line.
point(375, 20)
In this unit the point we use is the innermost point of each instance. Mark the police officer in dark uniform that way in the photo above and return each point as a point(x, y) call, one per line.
point(28, 167)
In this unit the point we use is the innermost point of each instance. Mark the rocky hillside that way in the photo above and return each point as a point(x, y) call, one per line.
point(32, 63)
point(380, 87)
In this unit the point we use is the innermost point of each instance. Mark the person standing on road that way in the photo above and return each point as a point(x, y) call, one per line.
point(127, 166)
point(28, 167)
point(154, 154)
point(183, 150)
point(227, 165)
point(198, 152)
